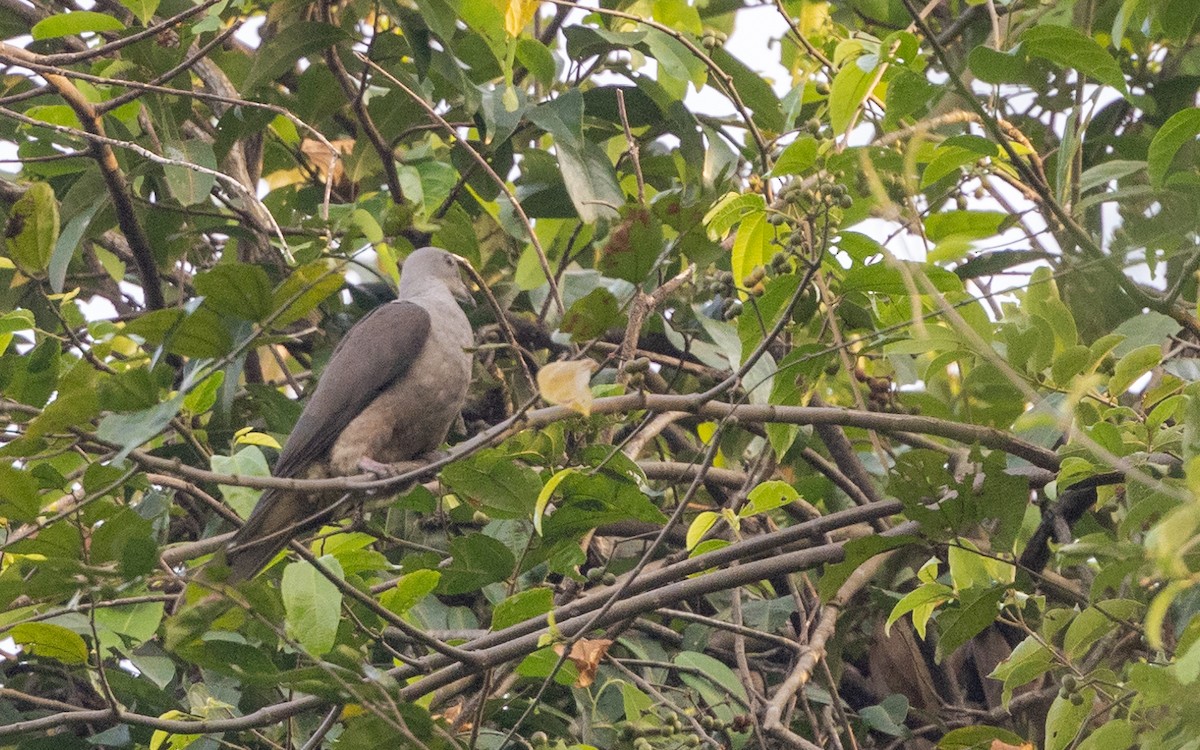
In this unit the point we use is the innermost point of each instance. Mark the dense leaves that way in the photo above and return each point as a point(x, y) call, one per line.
point(835, 372)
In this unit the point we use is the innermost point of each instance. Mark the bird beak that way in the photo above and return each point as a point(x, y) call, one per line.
point(463, 294)
point(461, 291)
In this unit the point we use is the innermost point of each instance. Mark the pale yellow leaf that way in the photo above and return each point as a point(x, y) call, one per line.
point(247, 436)
point(518, 14)
point(566, 384)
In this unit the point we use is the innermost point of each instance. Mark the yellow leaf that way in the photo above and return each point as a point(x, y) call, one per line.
point(700, 526)
point(246, 436)
point(518, 14)
point(543, 501)
point(566, 384)
point(161, 740)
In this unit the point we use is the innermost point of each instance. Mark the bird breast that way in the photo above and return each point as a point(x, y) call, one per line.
point(413, 415)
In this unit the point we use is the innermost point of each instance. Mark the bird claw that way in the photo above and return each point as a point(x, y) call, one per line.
point(386, 471)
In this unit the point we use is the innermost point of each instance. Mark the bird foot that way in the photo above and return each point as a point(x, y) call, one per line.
point(382, 470)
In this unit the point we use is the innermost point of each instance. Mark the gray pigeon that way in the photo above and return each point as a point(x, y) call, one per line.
point(390, 393)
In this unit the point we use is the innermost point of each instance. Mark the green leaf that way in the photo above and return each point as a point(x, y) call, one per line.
point(858, 551)
point(750, 246)
point(954, 154)
point(522, 606)
point(971, 569)
point(768, 496)
point(76, 22)
point(1180, 129)
point(591, 181)
point(1028, 661)
point(477, 561)
point(711, 678)
point(137, 622)
point(50, 641)
point(247, 462)
point(33, 227)
point(975, 613)
point(887, 717)
point(537, 59)
point(1113, 734)
point(201, 398)
point(1095, 622)
point(547, 492)
point(143, 9)
point(131, 429)
point(973, 738)
point(729, 210)
point(995, 67)
point(892, 277)
point(1132, 366)
point(675, 59)
point(13, 322)
point(561, 117)
point(188, 185)
point(849, 90)
point(127, 539)
point(281, 53)
point(19, 499)
point(410, 589)
point(754, 92)
point(633, 246)
point(1065, 718)
point(1109, 171)
point(589, 501)
point(974, 225)
point(87, 196)
point(679, 15)
point(1071, 48)
point(242, 290)
point(926, 596)
point(797, 158)
point(312, 603)
point(1069, 363)
point(199, 333)
point(494, 482)
point(593, 315)
point(304, 289)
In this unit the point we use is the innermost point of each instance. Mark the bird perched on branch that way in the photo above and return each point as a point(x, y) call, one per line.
point(390, 393)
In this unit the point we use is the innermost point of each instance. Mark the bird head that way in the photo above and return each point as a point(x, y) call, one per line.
point(433, 265)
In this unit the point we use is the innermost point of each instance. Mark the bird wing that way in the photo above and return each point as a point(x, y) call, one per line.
point(377, 352)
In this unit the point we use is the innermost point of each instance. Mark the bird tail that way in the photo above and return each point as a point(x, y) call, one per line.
point(276, 519)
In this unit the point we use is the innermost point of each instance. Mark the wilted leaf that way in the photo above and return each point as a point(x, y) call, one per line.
point(567, 384)
point(586, 655)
